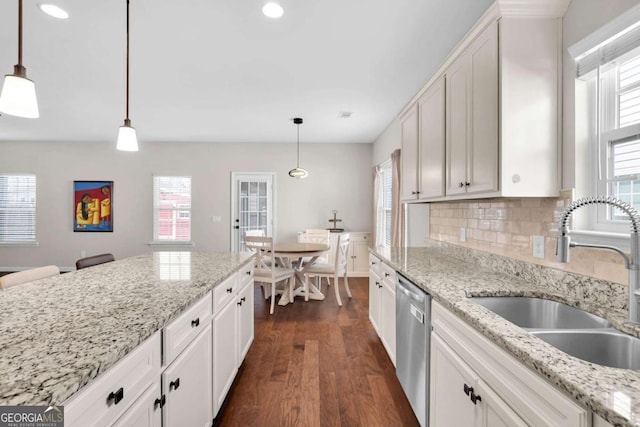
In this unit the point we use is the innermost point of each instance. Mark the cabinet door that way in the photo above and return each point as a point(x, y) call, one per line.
point(374, 300)
point(431, 130)
point(457, 129)
point(409, 154)
point(493, 411)
point(187, 385)
point(388, 320)
point(245, 320)
point(449, 405)
point(144, 412)
point(225, 359)
point(360, 254)
point(482, 173)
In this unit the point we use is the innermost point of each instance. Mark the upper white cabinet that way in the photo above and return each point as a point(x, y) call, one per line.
point(487, 123)
point(423, 144)
point(472, 117)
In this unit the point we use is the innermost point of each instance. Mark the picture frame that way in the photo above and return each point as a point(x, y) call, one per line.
point(93, 206)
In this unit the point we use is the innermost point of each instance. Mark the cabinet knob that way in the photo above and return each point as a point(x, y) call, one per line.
point(386, 274)
point(174, 384)
point(467, 184)
point(461, 184)
point(115, 396)
point(475, 398)
point(243, 299)
point(248, 273)
point(468, 390)
point(160, 402)
point(229, 290)
point(195, 323)
point(414, 192)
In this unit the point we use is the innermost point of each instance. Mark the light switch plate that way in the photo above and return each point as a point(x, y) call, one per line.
point(538, 247)
point(216, 218)
point(463, 234)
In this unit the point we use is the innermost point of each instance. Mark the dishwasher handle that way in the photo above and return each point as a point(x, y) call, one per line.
point(405, 289)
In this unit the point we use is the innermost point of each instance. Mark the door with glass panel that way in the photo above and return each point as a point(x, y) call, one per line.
point(251, 205)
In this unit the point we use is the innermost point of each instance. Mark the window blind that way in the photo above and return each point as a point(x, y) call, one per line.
point(17, 208)
point(616, 46)
point(172, 208)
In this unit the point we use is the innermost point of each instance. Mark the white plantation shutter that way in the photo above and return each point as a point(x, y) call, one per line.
point(172, 208)
point(17, 208)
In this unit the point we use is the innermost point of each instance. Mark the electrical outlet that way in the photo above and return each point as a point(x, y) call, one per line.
point(83, 253)
point(463, 234)
point(538, 247)
point(216, 218)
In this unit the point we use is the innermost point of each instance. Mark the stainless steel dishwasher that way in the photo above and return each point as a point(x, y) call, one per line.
point(413, 336)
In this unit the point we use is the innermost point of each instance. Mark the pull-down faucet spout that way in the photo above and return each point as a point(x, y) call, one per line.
point(631, 261)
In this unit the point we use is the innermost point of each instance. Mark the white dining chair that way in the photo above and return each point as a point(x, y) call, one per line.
point(333, 270)
point(26, 276)
point(265, 271)
point(258, 233)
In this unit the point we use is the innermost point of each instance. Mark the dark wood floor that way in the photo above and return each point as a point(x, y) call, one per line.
point(317, 364)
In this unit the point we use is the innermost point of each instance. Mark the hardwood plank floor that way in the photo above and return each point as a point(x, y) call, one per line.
point(316, 364)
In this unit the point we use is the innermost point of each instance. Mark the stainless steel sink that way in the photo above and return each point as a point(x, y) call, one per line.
point(538, 313)
point(608, 348)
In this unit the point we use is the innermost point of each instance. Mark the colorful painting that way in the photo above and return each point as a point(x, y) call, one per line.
point(92, 205)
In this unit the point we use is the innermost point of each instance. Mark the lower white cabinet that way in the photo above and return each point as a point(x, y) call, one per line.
point(145, 412)
point(460, 398)
point(358, 254)
point(382, 304)
point(232, 336)
point(186, 385)
point(476, 383)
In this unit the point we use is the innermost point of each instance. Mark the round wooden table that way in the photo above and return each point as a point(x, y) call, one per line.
point(285, 252)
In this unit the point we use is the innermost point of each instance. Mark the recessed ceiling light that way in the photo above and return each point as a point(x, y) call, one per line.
point(345, 114)
point(272, 10)
point(53, 10)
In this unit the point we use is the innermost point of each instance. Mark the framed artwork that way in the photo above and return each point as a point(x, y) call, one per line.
point(93, 206)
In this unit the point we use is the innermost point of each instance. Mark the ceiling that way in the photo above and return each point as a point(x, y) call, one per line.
point(220, 71)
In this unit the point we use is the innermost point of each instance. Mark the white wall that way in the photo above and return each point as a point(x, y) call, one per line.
point(387, 142)
point(339, 178)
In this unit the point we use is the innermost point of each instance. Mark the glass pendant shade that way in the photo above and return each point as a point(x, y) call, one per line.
point(127, 139)
point(298, 173)
point(18, 97)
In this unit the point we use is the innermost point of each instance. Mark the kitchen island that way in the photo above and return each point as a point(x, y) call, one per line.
point(452, 274)
point(59, 333)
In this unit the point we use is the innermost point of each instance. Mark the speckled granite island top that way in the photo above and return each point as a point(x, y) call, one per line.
point(451, 275)
point(57, 334)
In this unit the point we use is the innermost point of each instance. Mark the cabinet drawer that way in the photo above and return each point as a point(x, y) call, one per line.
point(246, 274)
point(388, 275)
point(127, 380)
point(375, 264)
point(181, 331)
point(359, 237)
point(224, 292)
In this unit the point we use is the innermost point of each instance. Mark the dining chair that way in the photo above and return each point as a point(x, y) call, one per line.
point(259, 233)
point(265, 271)
point(90, 261)
point(335, 270)
point(20, 277)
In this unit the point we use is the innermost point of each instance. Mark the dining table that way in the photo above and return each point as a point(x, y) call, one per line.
point(286, 253)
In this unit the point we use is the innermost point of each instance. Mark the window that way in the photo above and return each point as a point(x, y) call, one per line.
point(172, 208)
point(17, 208)
point(384, 205)
point(615, 87)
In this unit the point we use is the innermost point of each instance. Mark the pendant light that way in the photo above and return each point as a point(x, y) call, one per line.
point(127, 140)
point(298, 172)
point(18, 97)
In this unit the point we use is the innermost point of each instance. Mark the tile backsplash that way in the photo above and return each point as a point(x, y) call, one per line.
point(507, 227)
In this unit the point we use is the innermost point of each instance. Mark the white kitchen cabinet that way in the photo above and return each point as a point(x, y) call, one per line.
point(472, 117)
point(510, 393)
point(114, 392)
point(423, 145)
point(382, 305)
point(187, 385)
point(375, 285)
point(409, 154)
point(145, 412)
point(460, 398)
point(233, 332)
point(358, 254)
point(245, 318)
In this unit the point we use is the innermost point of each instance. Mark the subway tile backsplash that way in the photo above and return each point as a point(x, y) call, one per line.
point(507, 226)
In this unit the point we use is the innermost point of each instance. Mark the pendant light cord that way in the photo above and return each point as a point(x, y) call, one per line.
point(298, 164)
point(127, 118)
point(19, 32)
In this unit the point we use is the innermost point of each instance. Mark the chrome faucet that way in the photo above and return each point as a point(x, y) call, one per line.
point(631, 262)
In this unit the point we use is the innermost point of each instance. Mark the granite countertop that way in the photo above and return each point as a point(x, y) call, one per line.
point(451, 275)
point(57, 334)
